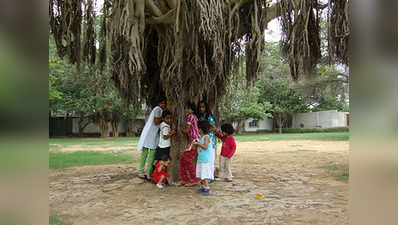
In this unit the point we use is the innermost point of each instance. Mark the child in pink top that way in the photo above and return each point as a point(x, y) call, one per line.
point(227, 151)
point(187, 168)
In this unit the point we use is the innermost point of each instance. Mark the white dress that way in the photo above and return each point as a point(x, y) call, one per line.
point(149, 137)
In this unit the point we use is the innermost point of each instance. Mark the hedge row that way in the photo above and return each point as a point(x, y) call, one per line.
point(312, 129)
point(263, 131)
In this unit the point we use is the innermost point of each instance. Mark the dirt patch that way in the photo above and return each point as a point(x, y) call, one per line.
point(297, 178)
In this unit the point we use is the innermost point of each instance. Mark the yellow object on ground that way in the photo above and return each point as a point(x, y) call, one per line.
point(259, 196)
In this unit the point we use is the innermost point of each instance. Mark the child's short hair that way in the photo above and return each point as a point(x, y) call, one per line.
point(191, 106)
point(228, 128)
point(166, 157)
point(165, 113)
point(204, 126)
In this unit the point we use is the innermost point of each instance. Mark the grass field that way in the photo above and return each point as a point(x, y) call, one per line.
point(59, 160)
point(58, 143)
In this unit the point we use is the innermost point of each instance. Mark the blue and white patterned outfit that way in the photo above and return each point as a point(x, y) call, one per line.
point(203, 169)
point(211, 121)
point(213, 141)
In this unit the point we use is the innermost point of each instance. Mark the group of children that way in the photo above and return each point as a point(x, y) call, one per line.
point(155, 144)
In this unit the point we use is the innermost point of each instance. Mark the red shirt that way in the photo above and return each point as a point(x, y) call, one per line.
point(156, 175)
point(228, 145)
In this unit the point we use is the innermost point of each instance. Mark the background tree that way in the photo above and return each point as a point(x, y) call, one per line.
point(277, 86)
point(87, 92)
point(328, 89)
point(325, 90)
point(285, 100)
point(74, 89)
point(130, 114)
point(241, 101)
point(107, 107)
point(54, 94)
point(73, 95)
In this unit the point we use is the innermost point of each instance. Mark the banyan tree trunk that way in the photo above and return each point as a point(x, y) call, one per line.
point(115, 129)
point(129, 127)
point(104, 127)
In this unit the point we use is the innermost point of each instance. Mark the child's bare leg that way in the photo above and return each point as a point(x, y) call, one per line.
point(206, 183)
point(161, 179)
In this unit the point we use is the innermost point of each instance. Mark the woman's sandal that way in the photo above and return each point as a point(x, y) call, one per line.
point(180, 183)
point(192, 184)
point(142, 176)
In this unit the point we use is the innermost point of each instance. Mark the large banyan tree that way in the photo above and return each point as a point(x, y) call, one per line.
point(185, 49)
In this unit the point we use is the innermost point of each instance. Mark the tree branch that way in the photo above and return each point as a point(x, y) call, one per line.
point(168, 18)
point(273, 12)
point(151, 8)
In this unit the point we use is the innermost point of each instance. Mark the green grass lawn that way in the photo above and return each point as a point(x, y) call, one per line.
point(57, 143)
point(59, 160)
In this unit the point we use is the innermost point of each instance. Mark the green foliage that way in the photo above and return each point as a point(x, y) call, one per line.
point(338, 172)
point(276, 94)
point(328, 90)
point(345, 108)
point(53, 91)
point(242, 101)
point(75, 86)
point(54, 219)
point(344, 175)
point(263, 131)
point(87, 91)
point(330, 167)
point(286, 101)
point(276, 86)
point(254, 110)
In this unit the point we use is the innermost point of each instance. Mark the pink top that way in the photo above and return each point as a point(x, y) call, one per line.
point(192, 121)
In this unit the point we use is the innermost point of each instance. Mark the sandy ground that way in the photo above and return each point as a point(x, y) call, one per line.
point(297, 178)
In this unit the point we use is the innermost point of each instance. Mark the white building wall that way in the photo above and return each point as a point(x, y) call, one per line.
point(330, 118)
point(262, 125)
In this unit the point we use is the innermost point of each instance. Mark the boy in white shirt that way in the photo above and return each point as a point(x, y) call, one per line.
point(164, 137)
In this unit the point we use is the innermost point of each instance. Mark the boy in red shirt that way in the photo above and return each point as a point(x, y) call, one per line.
point(227, 151)
point(159, 174)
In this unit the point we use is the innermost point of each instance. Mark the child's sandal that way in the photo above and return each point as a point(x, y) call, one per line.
point(180, 183)
point(192, 184)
